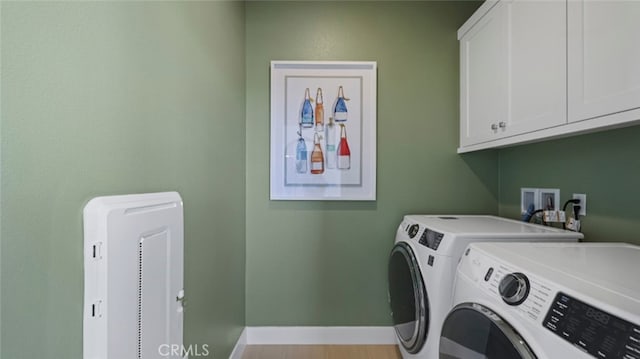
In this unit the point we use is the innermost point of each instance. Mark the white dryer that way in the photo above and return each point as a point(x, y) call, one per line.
point(422, 268)
point(545, 301)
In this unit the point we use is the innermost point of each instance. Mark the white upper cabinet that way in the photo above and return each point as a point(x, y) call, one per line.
point(513, 70)
point(532, 70)
point(484, 77)
point(604, 58)
point(537, 65)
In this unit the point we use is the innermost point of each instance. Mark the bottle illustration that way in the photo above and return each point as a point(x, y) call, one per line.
point(330, 137)
point(319, 111)
point(306, 115)
point(317, 159)
point(344, 153)
point(340, 110)
point(301, 155)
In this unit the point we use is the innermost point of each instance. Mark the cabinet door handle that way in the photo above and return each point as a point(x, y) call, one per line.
point(494, 126)
point(503, 124)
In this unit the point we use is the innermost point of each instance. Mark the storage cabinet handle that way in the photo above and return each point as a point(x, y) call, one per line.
point(503, 124)
point(494, 126)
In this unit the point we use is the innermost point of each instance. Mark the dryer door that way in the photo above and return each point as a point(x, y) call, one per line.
point(408, 298)
point(474, 331)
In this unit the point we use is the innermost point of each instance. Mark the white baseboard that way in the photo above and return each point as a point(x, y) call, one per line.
point(238, 349)
point(320, 335)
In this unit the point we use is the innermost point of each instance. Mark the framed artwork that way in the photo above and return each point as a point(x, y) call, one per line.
point(323, 130)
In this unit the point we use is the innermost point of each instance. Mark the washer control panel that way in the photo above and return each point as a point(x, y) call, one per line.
point(528, 295)
point(597, 332)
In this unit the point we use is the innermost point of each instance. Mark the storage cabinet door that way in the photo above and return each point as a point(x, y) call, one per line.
point(514, 71)
point(483, 77)
point(603, 57)
point(537, 65)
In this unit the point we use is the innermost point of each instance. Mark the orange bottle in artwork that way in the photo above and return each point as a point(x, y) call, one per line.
point(317, 159)
point(319, 111)
point(344, 153)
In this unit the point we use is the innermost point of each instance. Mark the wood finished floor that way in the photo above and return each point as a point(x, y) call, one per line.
point(321, 352)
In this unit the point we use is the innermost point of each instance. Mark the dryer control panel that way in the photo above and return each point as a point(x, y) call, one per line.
point(600, 334)
point(431, 239)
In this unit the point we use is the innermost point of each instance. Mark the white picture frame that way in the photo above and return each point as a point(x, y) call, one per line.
point(323, 130)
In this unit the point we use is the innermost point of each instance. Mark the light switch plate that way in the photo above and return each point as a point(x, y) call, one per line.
point(529, 196)
point(549, 198)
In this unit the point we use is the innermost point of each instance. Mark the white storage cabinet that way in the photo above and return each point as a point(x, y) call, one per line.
point(535, 70)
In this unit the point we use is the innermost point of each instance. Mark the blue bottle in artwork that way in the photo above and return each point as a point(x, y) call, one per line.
point(306, 115)
point(340, 110)
point(301, 156)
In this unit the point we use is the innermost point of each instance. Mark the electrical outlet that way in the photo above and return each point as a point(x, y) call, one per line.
point(549, 198)
point(583, 202)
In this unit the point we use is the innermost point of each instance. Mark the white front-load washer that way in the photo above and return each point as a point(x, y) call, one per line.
point(422, 267)
point(545, 301)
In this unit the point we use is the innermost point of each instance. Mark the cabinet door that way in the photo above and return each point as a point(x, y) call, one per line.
point(603, 57)
point(513, 71)
point(537, 65)
point(483, 79)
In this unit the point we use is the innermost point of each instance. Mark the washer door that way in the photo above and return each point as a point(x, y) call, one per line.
point(408, 298)
point(472, 331)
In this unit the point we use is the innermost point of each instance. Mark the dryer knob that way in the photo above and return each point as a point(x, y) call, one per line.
point(514, 288)
point(413, 230)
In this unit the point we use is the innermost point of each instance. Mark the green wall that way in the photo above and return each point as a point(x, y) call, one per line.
point(325, 263)
point(604, 165)
point(102, 98)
